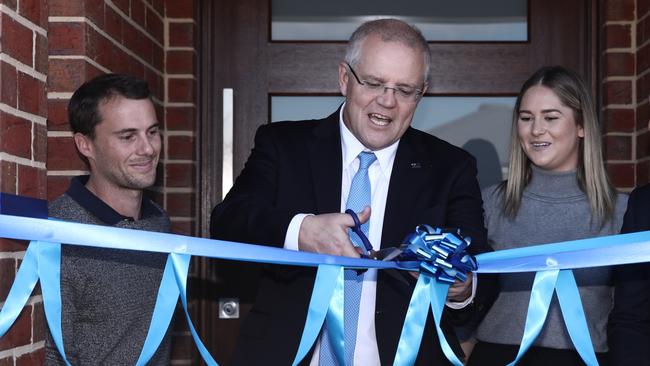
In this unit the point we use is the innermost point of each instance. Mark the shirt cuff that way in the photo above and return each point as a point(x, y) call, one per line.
point(460, 305)
point(293, 232)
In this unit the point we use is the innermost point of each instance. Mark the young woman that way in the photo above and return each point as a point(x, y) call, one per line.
point(557, 190)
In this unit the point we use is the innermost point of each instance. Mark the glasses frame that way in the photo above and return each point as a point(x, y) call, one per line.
point(416, 96)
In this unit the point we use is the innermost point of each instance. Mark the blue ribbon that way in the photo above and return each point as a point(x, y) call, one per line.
point(610, 250)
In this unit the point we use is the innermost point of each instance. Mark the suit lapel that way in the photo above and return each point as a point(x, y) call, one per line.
point(326, 161)
point(409, 173)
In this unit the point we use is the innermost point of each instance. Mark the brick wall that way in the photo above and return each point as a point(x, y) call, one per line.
point(50, 47)
point(625, 86)
point(23, 133)
point(642, 91)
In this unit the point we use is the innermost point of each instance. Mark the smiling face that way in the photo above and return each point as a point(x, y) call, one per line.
point(547, 130)
point(126, 146)
point(379, 120)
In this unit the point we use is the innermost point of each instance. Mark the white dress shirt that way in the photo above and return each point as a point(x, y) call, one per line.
point(379, 172)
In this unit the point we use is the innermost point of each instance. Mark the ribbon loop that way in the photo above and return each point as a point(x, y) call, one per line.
point(442, 252)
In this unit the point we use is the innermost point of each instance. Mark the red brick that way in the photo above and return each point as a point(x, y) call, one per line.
point(121, 62)
point(39, 143)
point(134, 40)
point(643, 145)
point(65, 8)
point(618, 147)
point(619, 64)
point(56, 186)
point(618, 36)
point(10, 3)
point(62, 154)
point(15, 135)
point(642, 31)
point(94, 10)
point(67, 38)
point(114, 24)
point(100, 49)
point(7, 177)
point(180, 62)
point(642, 8)
point(155, 26)
point(41, 54)
point(180, 90)
point(32, 182)
point(618, 92)
point(35, 11)
point(179, 175)
point(619, 10)
point(159, 6)
point(137, 12)
point(643, 59)
point(618, 120)
point(642, 173)
point(8, 361)
point(123, 5)
point(7, 274)
point(39, 326)
point(621, 175)
point(156, 85)
point(181, 147)
point(181, 34)
point(158, 58)
point(137, 69)
point(12, 245)
point(180, 204)
point(180, 119)
point(182, 227)
point(16, 40)
point(20, 333)
point(643, 88)
point(8, 84)
point(35, 358)
point(179, 9)
point(643, 116)
point(31, 95)
point(68, 75)
point(57, 115)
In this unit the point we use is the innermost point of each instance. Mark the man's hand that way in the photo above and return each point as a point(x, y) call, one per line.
point(461, 291)
point(328, 233)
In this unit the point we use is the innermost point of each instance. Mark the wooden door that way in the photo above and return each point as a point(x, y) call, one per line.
point(236, 52)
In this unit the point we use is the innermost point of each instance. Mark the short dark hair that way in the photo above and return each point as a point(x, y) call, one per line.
point(83, 112)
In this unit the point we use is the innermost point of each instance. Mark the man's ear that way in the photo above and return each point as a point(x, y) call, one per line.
point(84, 145)
point(343, 79)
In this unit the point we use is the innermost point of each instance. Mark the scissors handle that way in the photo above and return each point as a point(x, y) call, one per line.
point(367, 247)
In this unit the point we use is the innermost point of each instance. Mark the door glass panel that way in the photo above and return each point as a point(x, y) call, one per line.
point(439, 20)
point(480, 125)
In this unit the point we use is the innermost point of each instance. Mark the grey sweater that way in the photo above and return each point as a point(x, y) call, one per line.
point(553, 209)
point(108, 295)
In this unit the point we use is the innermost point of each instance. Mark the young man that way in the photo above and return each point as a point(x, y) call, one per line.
point(108, 295)
point(300, 177)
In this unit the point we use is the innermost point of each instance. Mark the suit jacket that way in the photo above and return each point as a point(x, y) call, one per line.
point(295, 167)
point(629, 321)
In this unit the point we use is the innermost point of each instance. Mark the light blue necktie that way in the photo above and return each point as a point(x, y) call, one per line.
point(358, 199)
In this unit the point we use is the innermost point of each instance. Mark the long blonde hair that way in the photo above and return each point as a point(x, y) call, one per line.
point(592, 177)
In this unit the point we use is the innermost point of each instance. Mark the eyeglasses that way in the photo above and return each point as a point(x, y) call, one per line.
point(402, 93)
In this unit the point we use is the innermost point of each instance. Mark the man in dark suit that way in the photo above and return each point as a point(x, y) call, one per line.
point(295, 185)
point(629, 322)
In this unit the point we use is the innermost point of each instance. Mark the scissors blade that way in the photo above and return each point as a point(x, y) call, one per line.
point(386, 254)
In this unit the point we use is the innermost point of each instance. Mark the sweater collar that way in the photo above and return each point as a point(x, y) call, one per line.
point(554, 184)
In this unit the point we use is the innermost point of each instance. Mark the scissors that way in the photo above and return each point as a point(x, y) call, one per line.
point(385, 254)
